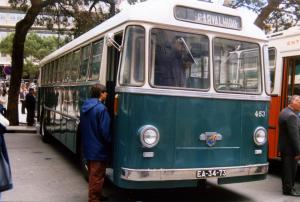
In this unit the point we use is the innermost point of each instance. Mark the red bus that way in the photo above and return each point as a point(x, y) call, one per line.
point(284, 60)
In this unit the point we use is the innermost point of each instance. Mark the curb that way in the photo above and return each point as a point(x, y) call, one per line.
point(21, 129)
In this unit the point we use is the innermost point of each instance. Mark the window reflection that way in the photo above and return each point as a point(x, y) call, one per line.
point(179, 59)
point(236, 66)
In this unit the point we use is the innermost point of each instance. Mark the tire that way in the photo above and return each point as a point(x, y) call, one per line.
point(202, 184)
point(83, 164)
point(46, 137)
point(82, 160)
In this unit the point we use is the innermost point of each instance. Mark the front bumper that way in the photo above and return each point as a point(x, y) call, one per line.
point(190, 173)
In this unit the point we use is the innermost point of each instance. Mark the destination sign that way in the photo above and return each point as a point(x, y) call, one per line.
point(208, 18)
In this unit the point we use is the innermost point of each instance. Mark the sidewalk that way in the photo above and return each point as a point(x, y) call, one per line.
point(22, 128)
point(42, 172)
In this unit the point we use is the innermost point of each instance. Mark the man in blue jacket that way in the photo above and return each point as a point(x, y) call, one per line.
point(94, 128)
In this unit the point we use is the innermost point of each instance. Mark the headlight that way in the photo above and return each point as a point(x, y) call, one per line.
point(260, 136)
point(149, 136)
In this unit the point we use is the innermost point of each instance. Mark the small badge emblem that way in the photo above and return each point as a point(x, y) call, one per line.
point(210, 138)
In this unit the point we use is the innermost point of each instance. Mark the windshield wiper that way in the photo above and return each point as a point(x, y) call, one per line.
point(187, 49)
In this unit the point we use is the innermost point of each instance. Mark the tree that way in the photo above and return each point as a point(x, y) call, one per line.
point(281, 14)
point(33, 8)
point(131, 2)
point(36, 48)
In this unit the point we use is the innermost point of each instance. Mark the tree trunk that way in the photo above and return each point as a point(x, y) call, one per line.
point(22, 28)
point(265, 12)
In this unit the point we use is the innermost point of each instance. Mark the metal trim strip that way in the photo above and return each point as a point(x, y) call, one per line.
point(189, 173)
point(187, 93)
point(63, 114)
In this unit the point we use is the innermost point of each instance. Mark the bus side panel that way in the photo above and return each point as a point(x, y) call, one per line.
point(61, 127)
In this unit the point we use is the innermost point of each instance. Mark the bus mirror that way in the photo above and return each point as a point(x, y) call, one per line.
point(110, 41)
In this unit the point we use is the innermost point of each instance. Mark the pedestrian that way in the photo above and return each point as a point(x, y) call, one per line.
point(3, 101)
point(94, 128)
point(289, 144)
point(30, 106)
point(23, 93)
point(5, 171)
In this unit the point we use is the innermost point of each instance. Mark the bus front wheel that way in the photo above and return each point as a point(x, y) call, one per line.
point(46, 137)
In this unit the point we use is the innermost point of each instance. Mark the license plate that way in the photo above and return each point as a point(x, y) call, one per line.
point(210, 173)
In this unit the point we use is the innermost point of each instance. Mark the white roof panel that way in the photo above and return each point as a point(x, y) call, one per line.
point(162, 12)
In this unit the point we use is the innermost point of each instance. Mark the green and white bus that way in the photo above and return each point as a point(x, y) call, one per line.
point(179, 115)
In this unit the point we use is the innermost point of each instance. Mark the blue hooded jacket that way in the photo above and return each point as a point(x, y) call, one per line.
point(94, 128)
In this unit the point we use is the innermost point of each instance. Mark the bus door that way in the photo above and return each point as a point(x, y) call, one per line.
point(113, 56)
point(291, 82)
point(290, 87)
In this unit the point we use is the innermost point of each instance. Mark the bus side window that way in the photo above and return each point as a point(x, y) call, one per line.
point(133, 60)
point(272, 67)
point(139, 61)
point(68, 62)
point(75, 65)
point(55, 71)
point(85, 56)
point(51, 72)
point(97, 49)
point(60, 69)
point(46, 73)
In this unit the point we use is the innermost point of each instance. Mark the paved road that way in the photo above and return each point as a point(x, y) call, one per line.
point(49, 173)
point(42, 172)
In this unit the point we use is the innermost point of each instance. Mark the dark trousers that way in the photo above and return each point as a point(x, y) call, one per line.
point(23, 106)
point(96, 179)
point(289, 171)
point(30, 117)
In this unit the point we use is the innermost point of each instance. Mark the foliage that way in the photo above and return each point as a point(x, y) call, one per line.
point(280, 14)
point(30, 70)
point(76, 16)
point(36, 47)
point(6, 44)
point(131, 2)
point(54, 12)
point(73, 17)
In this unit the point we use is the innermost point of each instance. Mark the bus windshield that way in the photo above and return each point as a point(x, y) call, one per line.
point(179, 60)
point(236, 66)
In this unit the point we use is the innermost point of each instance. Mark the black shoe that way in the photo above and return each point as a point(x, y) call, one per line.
point(291, 193)
point(104, 198)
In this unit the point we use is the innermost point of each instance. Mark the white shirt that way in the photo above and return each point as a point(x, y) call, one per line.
point(3, 100)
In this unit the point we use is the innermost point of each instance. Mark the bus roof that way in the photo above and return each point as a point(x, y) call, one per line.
point(162, 12)
point(292, 31)
point(286, 42)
